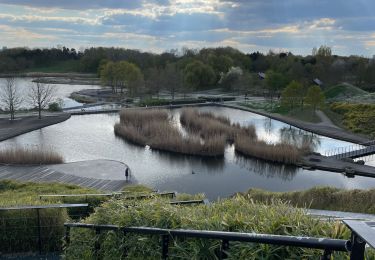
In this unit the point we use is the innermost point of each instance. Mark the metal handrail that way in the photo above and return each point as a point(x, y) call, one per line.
point(326, 244)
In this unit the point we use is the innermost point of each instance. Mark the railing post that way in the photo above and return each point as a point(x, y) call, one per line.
point(357, 251)
point(224, 247)
point(326, 255)
point(67, 236)
point(39, 232)
point(125, 249)
point(164, 246)
point(97, 242)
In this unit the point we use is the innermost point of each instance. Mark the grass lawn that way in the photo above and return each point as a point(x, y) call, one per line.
point(307, 114)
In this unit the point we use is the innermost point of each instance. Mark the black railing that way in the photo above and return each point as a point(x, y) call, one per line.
point(7, 226)
point(354, 246)
point(171, 194)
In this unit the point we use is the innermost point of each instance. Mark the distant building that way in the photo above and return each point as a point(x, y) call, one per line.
point(318, 82)
point(261, 75)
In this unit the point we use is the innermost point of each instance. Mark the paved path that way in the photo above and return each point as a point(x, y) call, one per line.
point(21, 125)
point(332, 214)
point(334, 165)
point(325, 121)
point(321, 129)
point(64, 174)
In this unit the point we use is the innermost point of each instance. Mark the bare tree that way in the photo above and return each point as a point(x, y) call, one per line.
point(172, 79)
point(10, 96)
point(40, 96)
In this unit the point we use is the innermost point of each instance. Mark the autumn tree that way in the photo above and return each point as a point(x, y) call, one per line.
point(10, 96)
point(40, 95)
point(315, 97)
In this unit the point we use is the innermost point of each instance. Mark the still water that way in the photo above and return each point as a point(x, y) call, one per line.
point(62, 91)
point(92, 137)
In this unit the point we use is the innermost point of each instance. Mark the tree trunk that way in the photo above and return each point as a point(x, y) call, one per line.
point(39, 112)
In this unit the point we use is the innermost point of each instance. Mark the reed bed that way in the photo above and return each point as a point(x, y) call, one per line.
point(281, 153)
point(207, 124)
point(244, 138)
point(29, 155)
point(153, 128)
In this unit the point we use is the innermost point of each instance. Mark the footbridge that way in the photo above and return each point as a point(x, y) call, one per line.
point(352, 151)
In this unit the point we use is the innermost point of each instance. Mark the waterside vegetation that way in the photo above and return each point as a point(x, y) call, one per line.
point(203, 134)
point(153, 128)
point(327, 198)
point(244, 137)
point(273, 218)
point(18, 228)
point(29, 155)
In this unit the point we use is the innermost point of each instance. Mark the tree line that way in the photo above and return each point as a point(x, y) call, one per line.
point(193, 69)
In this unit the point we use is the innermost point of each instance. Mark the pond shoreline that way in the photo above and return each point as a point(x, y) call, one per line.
point(332, 132)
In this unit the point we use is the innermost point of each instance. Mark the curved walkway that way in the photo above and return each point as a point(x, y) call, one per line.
point(24, 124)
point(325, 121)
point(321, 129)
point(77, 173)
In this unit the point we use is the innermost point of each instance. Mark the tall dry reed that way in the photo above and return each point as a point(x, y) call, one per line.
point(281, 152)
point(207, 124)
point(29, 155)
point(153, 128)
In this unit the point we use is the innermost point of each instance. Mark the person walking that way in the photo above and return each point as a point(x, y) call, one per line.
point(127, 173)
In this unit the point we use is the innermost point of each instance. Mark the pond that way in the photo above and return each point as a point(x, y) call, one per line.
point(92, 137)
point(62, 91)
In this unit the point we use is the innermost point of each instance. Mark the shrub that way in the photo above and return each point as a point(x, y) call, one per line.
point(25, 155)
point(237, 214)
point(54, 107)
point(358, 118)
point(18, 228)
point(165, 102)
point(327, 198)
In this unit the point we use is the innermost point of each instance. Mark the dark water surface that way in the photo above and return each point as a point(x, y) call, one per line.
point(92, 137)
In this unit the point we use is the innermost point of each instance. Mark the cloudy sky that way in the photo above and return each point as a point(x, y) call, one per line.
point(347, 26)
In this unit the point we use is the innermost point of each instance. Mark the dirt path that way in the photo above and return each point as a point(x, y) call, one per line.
point(325, 121)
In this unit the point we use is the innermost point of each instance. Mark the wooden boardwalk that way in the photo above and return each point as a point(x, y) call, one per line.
point(45, 174)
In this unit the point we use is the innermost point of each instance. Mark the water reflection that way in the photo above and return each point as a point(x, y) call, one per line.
point(89, 137)
point(267, 169)
point(268, 125)
point(299, 137)
point(208, 164)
